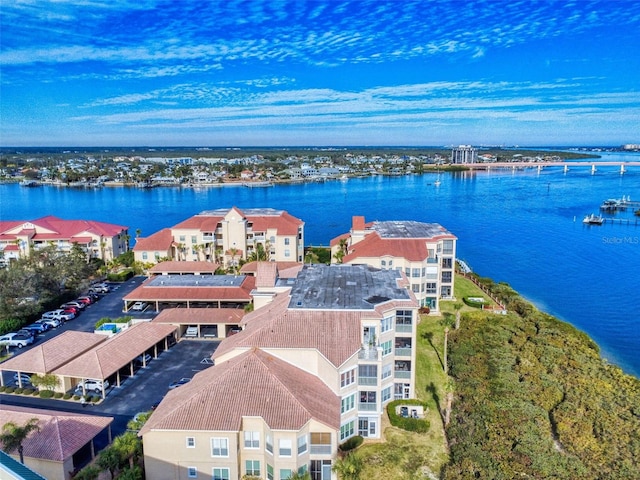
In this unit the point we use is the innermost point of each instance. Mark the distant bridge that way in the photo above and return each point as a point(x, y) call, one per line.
point(593, 165)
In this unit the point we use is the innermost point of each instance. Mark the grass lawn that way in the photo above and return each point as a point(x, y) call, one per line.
point(406, 455)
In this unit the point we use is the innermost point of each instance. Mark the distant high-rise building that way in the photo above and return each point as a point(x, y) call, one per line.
point(464, 154)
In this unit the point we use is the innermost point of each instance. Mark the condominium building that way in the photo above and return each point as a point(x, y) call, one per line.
point(98, 239)
point(464, 154)
point(312, 368)
point(226, 236)
point(425, 252)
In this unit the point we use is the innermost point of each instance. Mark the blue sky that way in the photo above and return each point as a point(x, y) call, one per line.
point(278, 73)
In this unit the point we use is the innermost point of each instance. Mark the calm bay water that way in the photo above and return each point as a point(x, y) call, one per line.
point(524, 228)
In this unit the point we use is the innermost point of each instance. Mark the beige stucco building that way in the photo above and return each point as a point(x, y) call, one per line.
point(226, 236)
point(98, 239)
point(425, 252)
point(312, 368)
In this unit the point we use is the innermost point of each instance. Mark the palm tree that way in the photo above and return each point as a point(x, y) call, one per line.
point(128, 446)
point(234, 252)
point(109, 459)
point(349, 467)
point(13, 435)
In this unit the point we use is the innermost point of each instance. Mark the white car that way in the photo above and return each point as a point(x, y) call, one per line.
point(59, 315)
point(16, 339)
point(91, 385)
point(52, 322)
point(139, 306)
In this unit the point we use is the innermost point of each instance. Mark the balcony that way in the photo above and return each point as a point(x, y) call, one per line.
point(404, 328)
point(402, 374)
point(320, 449)
point(371, 353)
point(403, 351)
point(369, 381)
point(367, 407)
point(207, 238)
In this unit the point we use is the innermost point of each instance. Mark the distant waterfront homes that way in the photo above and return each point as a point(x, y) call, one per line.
point(313, 367)
point(226, 236)
point(425, 252)
point(98, 239)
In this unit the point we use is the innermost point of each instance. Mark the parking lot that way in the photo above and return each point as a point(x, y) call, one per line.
point(138, 393)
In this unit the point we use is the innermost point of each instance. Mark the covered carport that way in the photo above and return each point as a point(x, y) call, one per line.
point(211, 323)
point(107, 360)
point(46, 358)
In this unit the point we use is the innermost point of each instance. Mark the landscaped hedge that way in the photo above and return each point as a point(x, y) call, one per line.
point(122, 276)
point(472, 303)
point(46, 393)
point(350, 444)
point(419, 425)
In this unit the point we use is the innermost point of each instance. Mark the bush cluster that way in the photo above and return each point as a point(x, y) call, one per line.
point(121, 276)
point(419, 425)
point(46, 393)
point(351, 444)
point(472, 303)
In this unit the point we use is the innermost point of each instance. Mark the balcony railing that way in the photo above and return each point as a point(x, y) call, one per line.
point(320, 450)
point(402, 374)
point(403, 351)
point(404, 328)
point(367, 381)
point(369, 353)
point(207, 238)
point(367, 407)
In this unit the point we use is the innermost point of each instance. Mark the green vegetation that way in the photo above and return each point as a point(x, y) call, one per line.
point(103, 320)
point(419, 425)
point(13, 435)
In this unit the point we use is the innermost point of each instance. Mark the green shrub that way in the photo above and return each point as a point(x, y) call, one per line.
point(93, 399)
point(122, 276)
point(58, 395)
point(10, 325)
point(351, 444)
point(76, 397)
point(3, 388)
point(419, 425)
point(472, 303)
point(35, 392)
point(18, 390)
point(46, 394)
point(9, 390)
point(67, 396)
point(28, 391)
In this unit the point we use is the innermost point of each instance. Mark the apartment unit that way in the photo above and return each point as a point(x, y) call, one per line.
point(425, 252)
point(312, 368)
point(226, 236)
point(99, 239)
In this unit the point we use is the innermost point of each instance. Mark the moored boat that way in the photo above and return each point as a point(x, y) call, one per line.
point(593, 219)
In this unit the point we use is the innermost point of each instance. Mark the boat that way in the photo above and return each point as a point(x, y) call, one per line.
point(257, 184)
point(30, 183)
point(593, 219)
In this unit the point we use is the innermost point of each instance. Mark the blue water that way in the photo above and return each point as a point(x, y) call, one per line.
point(523, 228)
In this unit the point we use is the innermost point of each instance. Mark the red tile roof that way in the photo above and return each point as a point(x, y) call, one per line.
point(200, 316)
point(53, 353)
point(159, 241)
point(61, 434)
point(254, 384)
point(108, 357)
point(372, 246)
point(54, 228)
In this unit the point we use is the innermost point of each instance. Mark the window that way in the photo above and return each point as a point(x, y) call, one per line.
point(285, 474)
point(446, 277)
point(302, 444)
point(272, 240)
point(347, 430)
point(386, 348)
point(432, 287)
point(252, 467)
point(320, 469)
point(194, 239)
point(415, 288)
point(368, 371)
point(390, 263)
point(447, 262)
point(432, 273)
point(415, 272)
point(269, 472)
point(251, 439)
point(404, 317)
point(145, 255)
point(192, 472)
point(182, 238)
point(302, 470)
point(287, 252)
point(386, 324)
point(347, 378)
point(268, 444)
point(386, 371)
point(368, 397)
point(447, 246)
point(348, 403)
point(383, 263)
point(220, 474)
point(219, 447)
point(386, 394)
point(286, 241)
point(284, 447)
point(191, 442)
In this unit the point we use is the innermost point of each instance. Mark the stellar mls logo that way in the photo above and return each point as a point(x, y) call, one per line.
point(621, 240)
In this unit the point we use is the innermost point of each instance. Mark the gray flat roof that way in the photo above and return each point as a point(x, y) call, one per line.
point(344, 287)
point(196, 281)
point(221, 212)
point(408, 229)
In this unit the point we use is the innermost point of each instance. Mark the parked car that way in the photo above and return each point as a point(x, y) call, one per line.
point(24, 377)
point(91, 385)
point(75, 304)
point(179, 383)
point(67, 307)
point(139, 306)
point(234, 330)
point(100, 288)
point(85, 300)
point(60, 314)
point(17, 339)
point(37, 327)
point(51, 322)
point(142, 359)
point(191, 332)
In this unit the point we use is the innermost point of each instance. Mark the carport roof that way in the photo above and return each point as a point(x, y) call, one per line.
point(200, 316)
point(61, 434)
point(172, 266)
point(108, 357)
point(203, 288)
point(53, 353)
